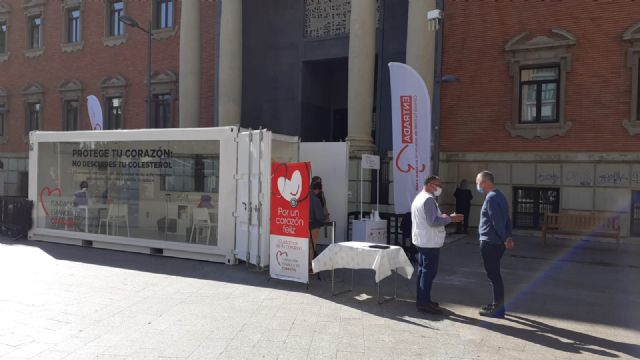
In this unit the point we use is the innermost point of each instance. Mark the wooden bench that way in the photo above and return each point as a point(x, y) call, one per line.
point(592, 225)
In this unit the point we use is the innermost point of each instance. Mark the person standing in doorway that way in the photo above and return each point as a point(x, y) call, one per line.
point(323, 199)
point(427, 234)
point(495, 237)
point(463, 205)
point(316, 220)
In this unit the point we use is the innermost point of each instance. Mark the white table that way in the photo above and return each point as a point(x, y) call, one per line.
point(359, 255)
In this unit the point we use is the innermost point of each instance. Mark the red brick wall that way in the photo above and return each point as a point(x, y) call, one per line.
point(598, 88)
point(94, 62)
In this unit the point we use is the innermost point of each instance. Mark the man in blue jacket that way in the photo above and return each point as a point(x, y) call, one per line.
point(495, 238)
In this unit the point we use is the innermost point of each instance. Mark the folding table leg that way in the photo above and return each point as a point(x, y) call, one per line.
point(384, 299)
point(332, 281)
point(333, 292)
point(352, 276)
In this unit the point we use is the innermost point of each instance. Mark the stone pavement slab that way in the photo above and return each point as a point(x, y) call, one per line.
point(571, 299)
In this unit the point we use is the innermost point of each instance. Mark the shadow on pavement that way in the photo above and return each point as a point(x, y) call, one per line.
point(542, 334)
point(571, 282)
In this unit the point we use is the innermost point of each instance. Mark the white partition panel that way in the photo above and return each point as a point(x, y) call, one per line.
point(330, 161)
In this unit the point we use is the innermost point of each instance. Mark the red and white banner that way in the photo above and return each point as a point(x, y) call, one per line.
point(289, 240)
point(411, 121)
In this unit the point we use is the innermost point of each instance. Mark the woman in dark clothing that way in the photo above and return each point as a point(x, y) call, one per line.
point(463, 205)
point(323, 200)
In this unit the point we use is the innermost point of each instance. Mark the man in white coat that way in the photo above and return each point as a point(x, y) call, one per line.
point(428, 234)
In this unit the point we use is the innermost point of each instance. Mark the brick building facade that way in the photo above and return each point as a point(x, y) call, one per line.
point(53, 54)
point(547, 99)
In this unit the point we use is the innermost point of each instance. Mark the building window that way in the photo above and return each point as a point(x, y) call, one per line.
point(114, 114)
point(3, 112)
point(530, 204)
point(34, 112)
point(35, 32)
point(632, 35)
point(635, 213)
point(539, 95)
point(71, 115)
point(163, 14)
point(538, 66)
point(116, 9)
point(162, 111)
point(194, 173)
point(3, 37)
point(73, 25)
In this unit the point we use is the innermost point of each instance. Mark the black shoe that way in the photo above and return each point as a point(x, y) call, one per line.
point(434, 304)
point(493, 312)
point(429, 309)
point(488, 307)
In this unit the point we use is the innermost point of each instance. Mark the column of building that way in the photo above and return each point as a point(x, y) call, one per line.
point(362, 52)
point(189, 79)
point(229, 89)
point(421, 43)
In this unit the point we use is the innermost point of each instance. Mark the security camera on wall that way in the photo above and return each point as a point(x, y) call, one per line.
point(434, 17)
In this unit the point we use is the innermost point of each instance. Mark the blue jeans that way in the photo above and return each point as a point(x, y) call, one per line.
point(491, 256)
point(428, 269)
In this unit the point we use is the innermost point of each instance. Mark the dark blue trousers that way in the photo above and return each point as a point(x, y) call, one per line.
point(428, 269)
point(491, 256)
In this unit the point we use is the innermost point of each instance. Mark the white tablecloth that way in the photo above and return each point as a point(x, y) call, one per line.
point(358, 255)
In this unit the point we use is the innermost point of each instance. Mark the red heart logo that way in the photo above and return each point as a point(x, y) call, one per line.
point(49, 192)
point(280, 253)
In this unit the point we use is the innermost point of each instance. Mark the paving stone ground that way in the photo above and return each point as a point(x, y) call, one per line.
point(568, 300)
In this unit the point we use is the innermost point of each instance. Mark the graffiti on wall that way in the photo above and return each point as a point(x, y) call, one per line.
point(548, 175)
point(578, 177)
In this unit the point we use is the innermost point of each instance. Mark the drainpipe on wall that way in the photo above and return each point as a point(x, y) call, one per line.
point(435, 121)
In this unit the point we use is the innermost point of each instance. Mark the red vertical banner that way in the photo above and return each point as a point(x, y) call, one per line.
point(289, 224)
point(290, 199)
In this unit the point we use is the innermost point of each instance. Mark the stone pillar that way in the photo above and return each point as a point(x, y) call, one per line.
point(229, 90)
point(421, 43)
point(362, 52)
point(189, 77)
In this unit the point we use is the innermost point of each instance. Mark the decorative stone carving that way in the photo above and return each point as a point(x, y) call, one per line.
point(72, 47)
point(113, 81)
point(33, 7)
point(164, 34)
point(32, 89)
point(558, 38)
point(164, 82)
point(70, 89)
point(113, 86)
point(111, 41)
point(329, 18)
point(4, 8)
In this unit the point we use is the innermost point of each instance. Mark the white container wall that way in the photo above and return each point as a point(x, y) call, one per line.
point(161, 191)
point(195, 193)
point(257, 149)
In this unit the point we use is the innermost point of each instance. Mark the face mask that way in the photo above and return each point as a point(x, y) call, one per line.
point(438, 191)
point(479, 189)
